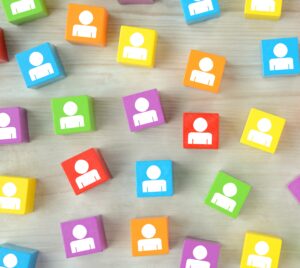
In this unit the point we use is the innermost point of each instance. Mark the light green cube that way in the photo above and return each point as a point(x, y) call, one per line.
point(73, 115)
point(227, 195)
point(21, 11)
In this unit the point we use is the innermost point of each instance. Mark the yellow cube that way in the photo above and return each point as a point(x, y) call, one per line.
point(17, 195)
point(263, 9)
point(263, 131)
point(137, 46)
point(261, 251)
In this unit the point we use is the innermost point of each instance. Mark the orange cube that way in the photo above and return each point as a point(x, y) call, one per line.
point(204, 71)
point(87, 25)
point(149, 236)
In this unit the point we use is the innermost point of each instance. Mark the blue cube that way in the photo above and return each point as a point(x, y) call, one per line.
point(280, 57)
point(200, 10)
point(18, 257)
point(40, 65)
point(154, 178)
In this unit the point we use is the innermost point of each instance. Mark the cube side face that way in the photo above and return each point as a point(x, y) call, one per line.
point(3, 48)
point(256, 9)
point(132, 2)
point(294, 188)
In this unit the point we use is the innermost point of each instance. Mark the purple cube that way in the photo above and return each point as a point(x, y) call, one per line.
point(84, 236)
point(294, 188)
point(143, 110)
point(200, 253)
point(13, 125)
point(125, 2)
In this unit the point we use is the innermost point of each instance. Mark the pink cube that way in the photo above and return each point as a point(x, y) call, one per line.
point(294, 188)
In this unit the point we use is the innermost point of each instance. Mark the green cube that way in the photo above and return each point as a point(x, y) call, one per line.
point(21, 11)
point(227, 195)
point(73, 115)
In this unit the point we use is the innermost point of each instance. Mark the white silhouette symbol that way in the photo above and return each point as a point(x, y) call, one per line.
point(10, 261)
point(135, 52)
point(263, 5)
point(224, 200)
point(200, 253)
point(202, 76)
point(260, 260)
point(145, 116)
point(200, 6)
point(71, 120)
point(153, 185)
point(281, 63)
point(87, 177)
point(82, 243)
point(6, 133)
point(22, 6)
point(41, 70)
point(84, 30)
point(261, 137)
point(150, 243)
point(7, 201)
point(200, 137)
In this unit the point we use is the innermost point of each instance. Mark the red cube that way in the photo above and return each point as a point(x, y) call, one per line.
point(86, 170)
point(200, 131)
point(3, 49)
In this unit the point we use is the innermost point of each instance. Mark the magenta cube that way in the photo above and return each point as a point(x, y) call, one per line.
point(200, 253)
point(143, 110)
point(13, 125)
point(142, 2)
point(294, 188)
point(83, 236)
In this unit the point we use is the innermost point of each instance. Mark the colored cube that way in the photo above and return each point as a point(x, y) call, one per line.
point(154, 178)
point(17, 195)
point(261, 250)
point(73, 115)
point(86, 170)
point(12, 256)
point(40, 65)
point(149, 236)
point(294, 188)
point(200, 253)
point(280, 57)
point(142, 2)
point(204, 71)
point(227, 194)
point(200, 131)
point(3, 49)
point(13, 125)
point(263, 131)
point(196, 11)
point(143, 110)
point(86, 25)
point(137, 46)
point(83, 236)
point(21, 11)
point(263, 9)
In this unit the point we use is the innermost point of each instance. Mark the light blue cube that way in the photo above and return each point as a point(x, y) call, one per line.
point(154, 178)
point(13, 256)
point(280, 57)
point(199, 10)
point(40, 65)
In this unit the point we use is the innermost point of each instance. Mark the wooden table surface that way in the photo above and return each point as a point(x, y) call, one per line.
point(270, 208)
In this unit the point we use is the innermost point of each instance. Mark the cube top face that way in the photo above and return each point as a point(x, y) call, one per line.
point(200, 253)
point(86, 25)
point(227, 195)
point(154, 178)
point(73, 115)
point(21, 11)
point(261, 251)
point(204, 71)
point(137, 46)
point(263, 131)
point(196, 11)
point(86, 170)
point(83, 236)
point(142, 2)
point(149, 236)
point(40, 65)
point(13, 125)
point(200, 131)
point(16, 195)
point(263, 9)
point(3, 49)
point(280, 57)
point(143, 110)
point(294, 188)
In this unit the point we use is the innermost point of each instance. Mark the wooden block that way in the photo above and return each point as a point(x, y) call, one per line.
point(263, 9)
point(3, 49)
point(141, 2)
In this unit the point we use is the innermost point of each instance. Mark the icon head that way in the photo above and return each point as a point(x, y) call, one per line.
point(262, 248)
point(200, 124)
point(230, 189)
point(200, 252)
point(206, 64)
point(10, 260)
point(9, 189)
point(280, 50)
point(141, 105)
point(79, 231)
point(70, 108)
point(86, 17)
point(153, 172)
point(137, 39)
point(36, 58)
point(81, 166)
point(4, 119)
point(148, 231)
point(264, 125)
